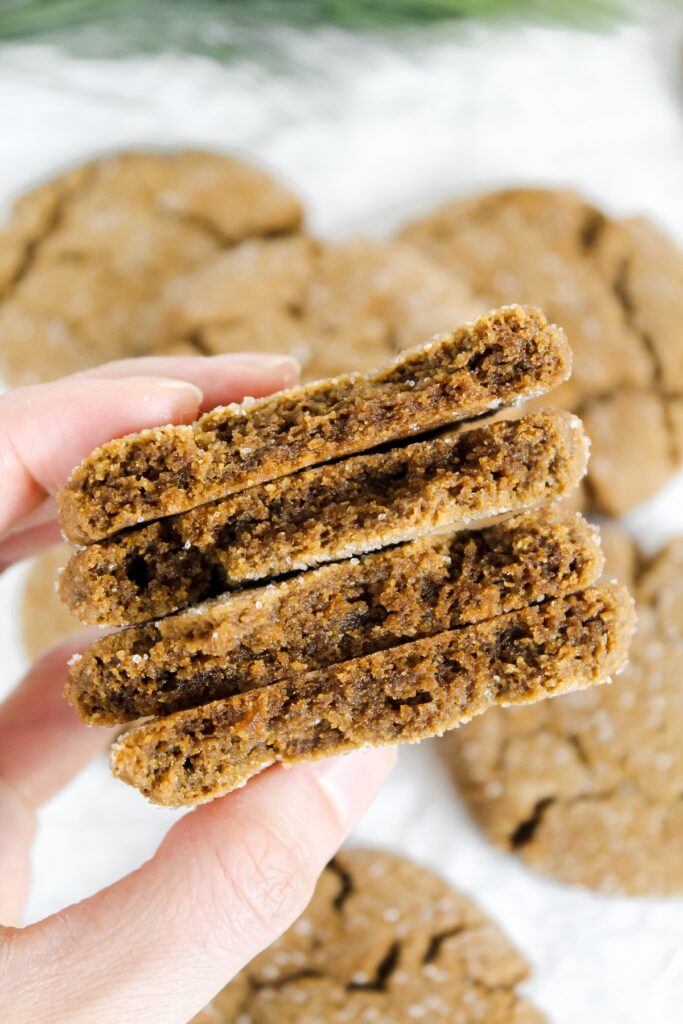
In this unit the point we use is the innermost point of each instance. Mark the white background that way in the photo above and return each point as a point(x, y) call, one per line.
point(372, 133)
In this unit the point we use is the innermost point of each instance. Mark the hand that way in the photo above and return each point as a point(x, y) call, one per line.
point(230, 876)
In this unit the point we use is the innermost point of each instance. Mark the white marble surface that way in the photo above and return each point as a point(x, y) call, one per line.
point(372, 134)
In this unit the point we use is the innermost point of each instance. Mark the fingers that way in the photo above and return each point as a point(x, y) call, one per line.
point(17, 829)
point(227, 880)
point(22, 543)
point(48, 429)
point(222, 379)
point(43, 744)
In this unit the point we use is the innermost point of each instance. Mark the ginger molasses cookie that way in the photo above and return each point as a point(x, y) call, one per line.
point(588, 788)
point(617, 289)
point(382, 939)
point(337, 308)
point(86, 256)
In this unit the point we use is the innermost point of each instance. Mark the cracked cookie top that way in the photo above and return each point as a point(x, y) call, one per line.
point(383, 939)
point(588, 787)
point(84, 258)
point(617, 289)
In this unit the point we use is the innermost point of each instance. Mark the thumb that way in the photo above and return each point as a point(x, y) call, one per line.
point(228, 879)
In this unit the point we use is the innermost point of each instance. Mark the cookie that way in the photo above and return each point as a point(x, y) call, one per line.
point(383, 939)
point(325, 514)
point(44, 619)
point(85, 257)
point(404, 694)
point(337, 308)
point(328, 615)
point(617, 289)
point(587, 788)
point(502, 358)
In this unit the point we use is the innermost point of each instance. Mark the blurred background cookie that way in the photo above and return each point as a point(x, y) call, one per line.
point(617, 289)
point(44, 619)
point(85, 256)
point(587, 788)
point(343, 307)
point(383, 940)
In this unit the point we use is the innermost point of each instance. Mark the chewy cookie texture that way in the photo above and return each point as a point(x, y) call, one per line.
point(328, 615)
point(403, 694)
point(588, 789)
point(383, 939)
point(504, 357)
point(326, 513)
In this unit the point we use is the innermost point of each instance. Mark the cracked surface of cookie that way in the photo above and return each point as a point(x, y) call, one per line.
point(333, 613)
point(404, 694)
point(84, 257)
point(325, 514)
point(337, 308)
point(502, 358)
point(383, 939)
point(589, 788)
point(617, 289)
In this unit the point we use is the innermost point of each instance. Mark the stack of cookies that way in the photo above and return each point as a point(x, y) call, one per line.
point(300, 557)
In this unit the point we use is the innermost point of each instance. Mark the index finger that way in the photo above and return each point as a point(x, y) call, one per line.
point(48, 429)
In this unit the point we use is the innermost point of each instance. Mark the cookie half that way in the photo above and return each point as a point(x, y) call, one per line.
point(324, 514)
point(383, 939)
point(502, 358)
point(404, 694)
point(328, 615)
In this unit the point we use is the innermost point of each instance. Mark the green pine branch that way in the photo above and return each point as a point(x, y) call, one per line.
point(224, 28)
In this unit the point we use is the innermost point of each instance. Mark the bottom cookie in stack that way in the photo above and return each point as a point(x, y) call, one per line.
point(382, 940)
point(588, 788)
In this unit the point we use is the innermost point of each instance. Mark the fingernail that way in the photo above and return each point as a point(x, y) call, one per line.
point(287, 368)
point(350, 780)
point(181, 385)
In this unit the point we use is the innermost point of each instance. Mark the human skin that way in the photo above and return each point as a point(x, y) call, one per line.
point(230, 876)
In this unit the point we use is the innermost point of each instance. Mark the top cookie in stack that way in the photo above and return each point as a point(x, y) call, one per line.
point(501, 359)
